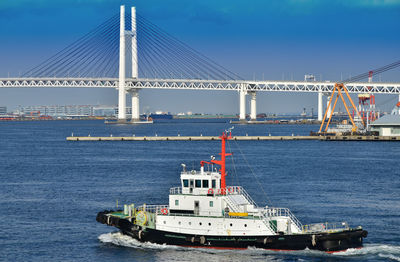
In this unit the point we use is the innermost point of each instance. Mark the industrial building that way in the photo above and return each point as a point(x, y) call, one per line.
point(67, 110)
point(3, 110)
point(388, 125)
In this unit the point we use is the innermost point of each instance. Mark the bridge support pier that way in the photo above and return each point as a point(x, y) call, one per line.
point(253, 106)
point(135, 105)
point(328, 108)
point(122, 72)
point(320, 106)
point(242, 104)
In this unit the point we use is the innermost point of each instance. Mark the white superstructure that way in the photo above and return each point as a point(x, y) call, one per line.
point(199, 206)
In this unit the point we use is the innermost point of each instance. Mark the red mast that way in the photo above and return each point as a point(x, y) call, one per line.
point(221, 162)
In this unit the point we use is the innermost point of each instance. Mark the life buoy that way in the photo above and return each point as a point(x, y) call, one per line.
point(230, 190)
point(164, 211)
point(210, 191)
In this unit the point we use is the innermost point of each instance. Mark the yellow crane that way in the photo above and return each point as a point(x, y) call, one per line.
point(339, 89)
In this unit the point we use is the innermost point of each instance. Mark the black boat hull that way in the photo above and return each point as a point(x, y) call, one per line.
point(324, 241)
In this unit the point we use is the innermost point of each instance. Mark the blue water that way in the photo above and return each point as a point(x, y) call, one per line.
point(51, 189)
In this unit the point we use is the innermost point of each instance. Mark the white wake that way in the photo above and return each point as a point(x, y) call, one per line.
point(389, 252)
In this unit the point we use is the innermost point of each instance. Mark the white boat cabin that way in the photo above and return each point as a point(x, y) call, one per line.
point(201, 206)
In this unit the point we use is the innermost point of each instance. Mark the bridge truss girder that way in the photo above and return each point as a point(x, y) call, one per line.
point(189, 84)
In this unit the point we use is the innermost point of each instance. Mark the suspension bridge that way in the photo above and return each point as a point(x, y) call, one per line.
point(140, 55)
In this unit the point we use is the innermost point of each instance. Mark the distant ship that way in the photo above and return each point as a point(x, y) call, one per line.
point(303, 114)
point(159, 116)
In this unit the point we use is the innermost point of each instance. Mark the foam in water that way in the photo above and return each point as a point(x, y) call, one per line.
point(382, 251)
point(119, 239)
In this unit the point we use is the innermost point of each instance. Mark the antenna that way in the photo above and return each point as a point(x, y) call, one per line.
point(229, 130)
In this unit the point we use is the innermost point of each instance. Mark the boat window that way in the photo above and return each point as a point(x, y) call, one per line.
point(209, 224)
point(205, 183)
point(185, 182)
point(231, 224)
point(198, 183)
point(211, 203)
point(245, 225)
point(200, 223)
point(165, 222)
point(191, 182)
point(190, 223)
point(213, 183)
point(176, 202)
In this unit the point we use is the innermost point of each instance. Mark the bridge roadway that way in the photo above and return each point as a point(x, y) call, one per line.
point(133, 85)
point(193, 84)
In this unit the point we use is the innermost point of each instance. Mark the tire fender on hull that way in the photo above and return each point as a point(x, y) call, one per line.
point(141, 235)
point(196, 239)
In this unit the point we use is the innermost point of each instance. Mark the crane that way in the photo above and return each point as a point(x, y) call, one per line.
point(340, 90)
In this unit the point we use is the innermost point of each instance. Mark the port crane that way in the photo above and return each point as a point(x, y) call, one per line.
point(340, 90)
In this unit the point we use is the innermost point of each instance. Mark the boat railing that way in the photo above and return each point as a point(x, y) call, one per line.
point(157, 209)
point(175, 190)
point(208, 214)
point(240, 190)
point(282, 212)
point(266, 220)
point(324, 227)
point(230, 190)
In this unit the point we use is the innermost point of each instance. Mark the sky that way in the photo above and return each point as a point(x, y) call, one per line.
point(257, 39)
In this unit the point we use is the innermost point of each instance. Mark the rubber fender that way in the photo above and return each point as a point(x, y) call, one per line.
point(313, 240)
point(364, 233)
point(114, 221)
point(267, 240)
point(99, 217)
point(124, 224)
point(202, 240)
point(140, 234)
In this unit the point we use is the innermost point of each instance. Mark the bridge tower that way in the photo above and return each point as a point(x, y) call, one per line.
point(134, 61)
point(122, 66)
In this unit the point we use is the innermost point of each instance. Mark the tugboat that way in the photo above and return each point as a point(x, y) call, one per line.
point(204, 212)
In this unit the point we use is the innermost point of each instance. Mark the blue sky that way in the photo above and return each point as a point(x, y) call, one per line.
point(282, 39)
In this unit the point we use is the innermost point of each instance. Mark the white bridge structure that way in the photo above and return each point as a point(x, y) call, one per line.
point(129, 82)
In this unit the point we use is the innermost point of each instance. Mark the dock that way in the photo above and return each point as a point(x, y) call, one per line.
point(185, 138)
point(360, 138)
point(237, 138)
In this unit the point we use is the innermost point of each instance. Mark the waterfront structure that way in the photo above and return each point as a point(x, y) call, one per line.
point(67, 110)
point(388, 125)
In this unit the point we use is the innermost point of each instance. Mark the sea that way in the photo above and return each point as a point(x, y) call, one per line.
point(51, 189)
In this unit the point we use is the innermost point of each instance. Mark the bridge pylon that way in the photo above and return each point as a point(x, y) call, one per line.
point(122, 67)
